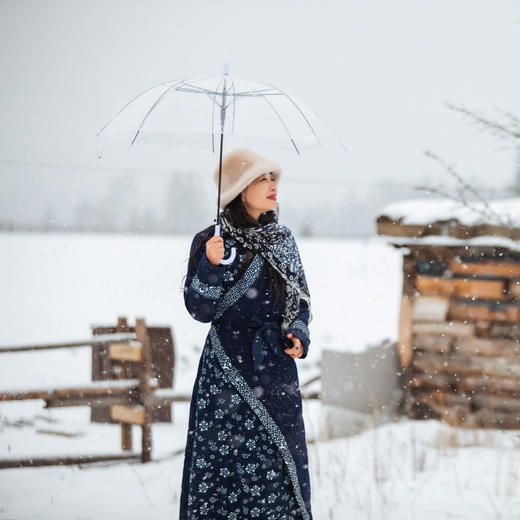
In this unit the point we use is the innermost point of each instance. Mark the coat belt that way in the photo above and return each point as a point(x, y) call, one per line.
point(267, 333)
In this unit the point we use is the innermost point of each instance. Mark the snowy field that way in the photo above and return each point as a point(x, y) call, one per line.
point(54, 287)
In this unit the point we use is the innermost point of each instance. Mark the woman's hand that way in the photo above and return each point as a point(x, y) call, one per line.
point(296, 350)
point(215, 249)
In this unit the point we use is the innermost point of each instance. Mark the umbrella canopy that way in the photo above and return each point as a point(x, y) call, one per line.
point(198, 111)
point(201, 111)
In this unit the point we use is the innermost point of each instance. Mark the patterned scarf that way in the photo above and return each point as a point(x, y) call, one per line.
point(276, 245)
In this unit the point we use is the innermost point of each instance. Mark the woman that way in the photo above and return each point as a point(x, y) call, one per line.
point(246, 455)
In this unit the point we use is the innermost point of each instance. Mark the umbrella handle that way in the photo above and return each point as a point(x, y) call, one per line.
point(229, 260)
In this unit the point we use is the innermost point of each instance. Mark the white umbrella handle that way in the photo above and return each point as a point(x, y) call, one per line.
point(229, 260)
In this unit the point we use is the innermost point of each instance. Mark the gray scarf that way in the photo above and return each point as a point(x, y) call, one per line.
point(276, 245)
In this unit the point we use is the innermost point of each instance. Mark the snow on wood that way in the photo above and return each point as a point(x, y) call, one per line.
point(430, 308)
point(465, 364)
point(126, 351)
point(446, 222)
point(514, 288)
point(128, 414)
point(99, 341)
point(437, 241)
point(487, 346)
point(449, 328)
point(94, 391)
point(432, 342)
point(424, 210)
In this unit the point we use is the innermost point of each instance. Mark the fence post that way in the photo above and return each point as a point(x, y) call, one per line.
point(126, 428)
point(145, 393)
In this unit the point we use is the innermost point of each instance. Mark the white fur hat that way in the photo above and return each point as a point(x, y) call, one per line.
point(239, 168)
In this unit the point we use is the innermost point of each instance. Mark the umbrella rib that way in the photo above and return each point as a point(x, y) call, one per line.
point(195, 86)
point(310, 126)
point(156, 102)
point(132, 100)
point(328, 128)
point(299, 110)
point(199, 90)
point(245, 93)
point(283, 123)
point(257, 93)
point(196, 90)
point(234, 107)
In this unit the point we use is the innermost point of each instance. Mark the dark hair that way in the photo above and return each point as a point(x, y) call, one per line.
point(237, 214)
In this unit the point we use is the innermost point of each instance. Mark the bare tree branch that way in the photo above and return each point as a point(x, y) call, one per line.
point(514, 120)
point(463, 189)
point(510, 130)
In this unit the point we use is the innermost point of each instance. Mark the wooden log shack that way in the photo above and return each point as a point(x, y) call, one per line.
point(459, 324)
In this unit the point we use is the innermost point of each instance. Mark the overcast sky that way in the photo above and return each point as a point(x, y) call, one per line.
point(377, 72)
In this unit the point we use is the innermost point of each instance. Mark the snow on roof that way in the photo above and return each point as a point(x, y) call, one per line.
point(423, 211)
point(437, 240)
point(447, 222)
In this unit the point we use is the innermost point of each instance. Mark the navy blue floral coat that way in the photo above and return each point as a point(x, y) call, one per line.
point(246, 455)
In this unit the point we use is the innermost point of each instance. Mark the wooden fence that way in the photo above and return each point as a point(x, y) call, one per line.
point(128, 368)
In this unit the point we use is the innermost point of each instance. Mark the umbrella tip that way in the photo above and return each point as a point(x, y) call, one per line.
point(226, 68)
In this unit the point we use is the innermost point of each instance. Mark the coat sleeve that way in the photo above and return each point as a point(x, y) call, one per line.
point(300, 326)
point(203, 285)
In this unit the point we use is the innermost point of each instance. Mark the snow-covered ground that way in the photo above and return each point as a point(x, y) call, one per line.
point(55, 286)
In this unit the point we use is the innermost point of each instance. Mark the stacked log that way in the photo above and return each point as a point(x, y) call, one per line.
point(459, 335)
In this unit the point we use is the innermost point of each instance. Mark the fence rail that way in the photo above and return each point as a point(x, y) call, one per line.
point(129, 400)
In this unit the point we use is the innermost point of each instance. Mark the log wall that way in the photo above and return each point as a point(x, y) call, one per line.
point(459, 335)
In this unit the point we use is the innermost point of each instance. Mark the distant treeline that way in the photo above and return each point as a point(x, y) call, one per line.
point(180, 203)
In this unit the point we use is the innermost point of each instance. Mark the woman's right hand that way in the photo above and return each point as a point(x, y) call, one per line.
point(215, 249)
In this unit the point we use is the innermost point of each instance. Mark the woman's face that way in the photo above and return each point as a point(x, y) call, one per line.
point(260, 195)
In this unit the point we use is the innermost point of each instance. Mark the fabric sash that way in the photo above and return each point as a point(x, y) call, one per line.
point(266, 333)
point(247, 393)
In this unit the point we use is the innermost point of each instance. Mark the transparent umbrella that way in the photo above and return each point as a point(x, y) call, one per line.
point(202, 111)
